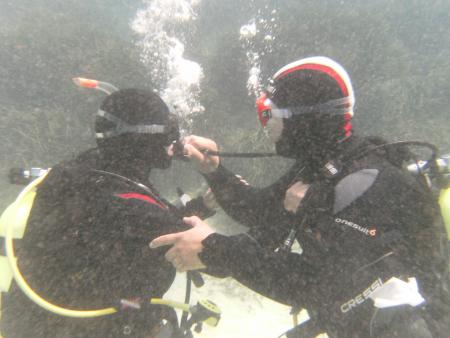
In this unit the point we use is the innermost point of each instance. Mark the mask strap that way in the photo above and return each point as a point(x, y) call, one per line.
point(336, 107)
point(123, 127)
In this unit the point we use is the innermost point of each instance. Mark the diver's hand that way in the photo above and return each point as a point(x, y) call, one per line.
point(193, 149)
point(186, 245)
point(209, 200)
point(294, 196)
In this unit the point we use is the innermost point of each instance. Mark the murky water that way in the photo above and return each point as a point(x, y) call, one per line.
point(209, 59)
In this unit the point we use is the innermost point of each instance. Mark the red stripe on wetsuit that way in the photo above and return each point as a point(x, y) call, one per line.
point(145, 198)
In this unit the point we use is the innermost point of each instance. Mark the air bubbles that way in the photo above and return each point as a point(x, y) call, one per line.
point(253, 79)
point(178, 79)
point(248, 31)
point(257, 37)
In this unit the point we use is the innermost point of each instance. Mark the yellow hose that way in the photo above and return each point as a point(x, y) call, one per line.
point(9, 248)
point(171, 303)
point(38, 299)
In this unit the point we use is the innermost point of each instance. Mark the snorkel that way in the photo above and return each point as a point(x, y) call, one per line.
point(95, 84)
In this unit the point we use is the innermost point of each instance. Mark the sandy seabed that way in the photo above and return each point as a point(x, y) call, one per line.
point(245, 314)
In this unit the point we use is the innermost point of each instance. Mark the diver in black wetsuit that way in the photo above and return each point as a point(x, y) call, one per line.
point(86, 242)
point(374, 257)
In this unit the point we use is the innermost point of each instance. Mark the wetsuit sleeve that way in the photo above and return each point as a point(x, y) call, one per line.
point(149, 215)
point(196, 207)
point(283, 277)
point(248, 205)
point(132, 221)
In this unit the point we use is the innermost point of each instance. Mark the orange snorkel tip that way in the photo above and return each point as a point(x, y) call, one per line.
point(85, 83)
point(95, 84)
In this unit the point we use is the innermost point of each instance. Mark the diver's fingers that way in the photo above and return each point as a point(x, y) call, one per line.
point(204, 163)
point(294, 196)
point(180, 268)
point(193, 153)
point(177, 263)
point(193, 221)
point(201, 143)
point(209, 200)
point(164, 240)
point(171, 255)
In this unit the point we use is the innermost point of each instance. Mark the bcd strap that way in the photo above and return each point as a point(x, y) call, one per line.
point(16, 217)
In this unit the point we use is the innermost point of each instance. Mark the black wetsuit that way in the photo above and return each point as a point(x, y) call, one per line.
point(368, 223)
point(86, 247)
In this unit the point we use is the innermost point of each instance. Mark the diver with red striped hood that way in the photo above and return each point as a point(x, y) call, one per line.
point(373, 254)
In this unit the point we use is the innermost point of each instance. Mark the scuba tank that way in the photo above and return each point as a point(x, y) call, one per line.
point(437, 176)
point(444, 202)
point(24, 176)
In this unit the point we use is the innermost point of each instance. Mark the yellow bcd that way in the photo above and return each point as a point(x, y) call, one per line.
point(444, 202)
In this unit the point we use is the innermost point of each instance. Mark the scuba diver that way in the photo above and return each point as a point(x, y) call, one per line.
point(86, 239)
point(373, 261)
